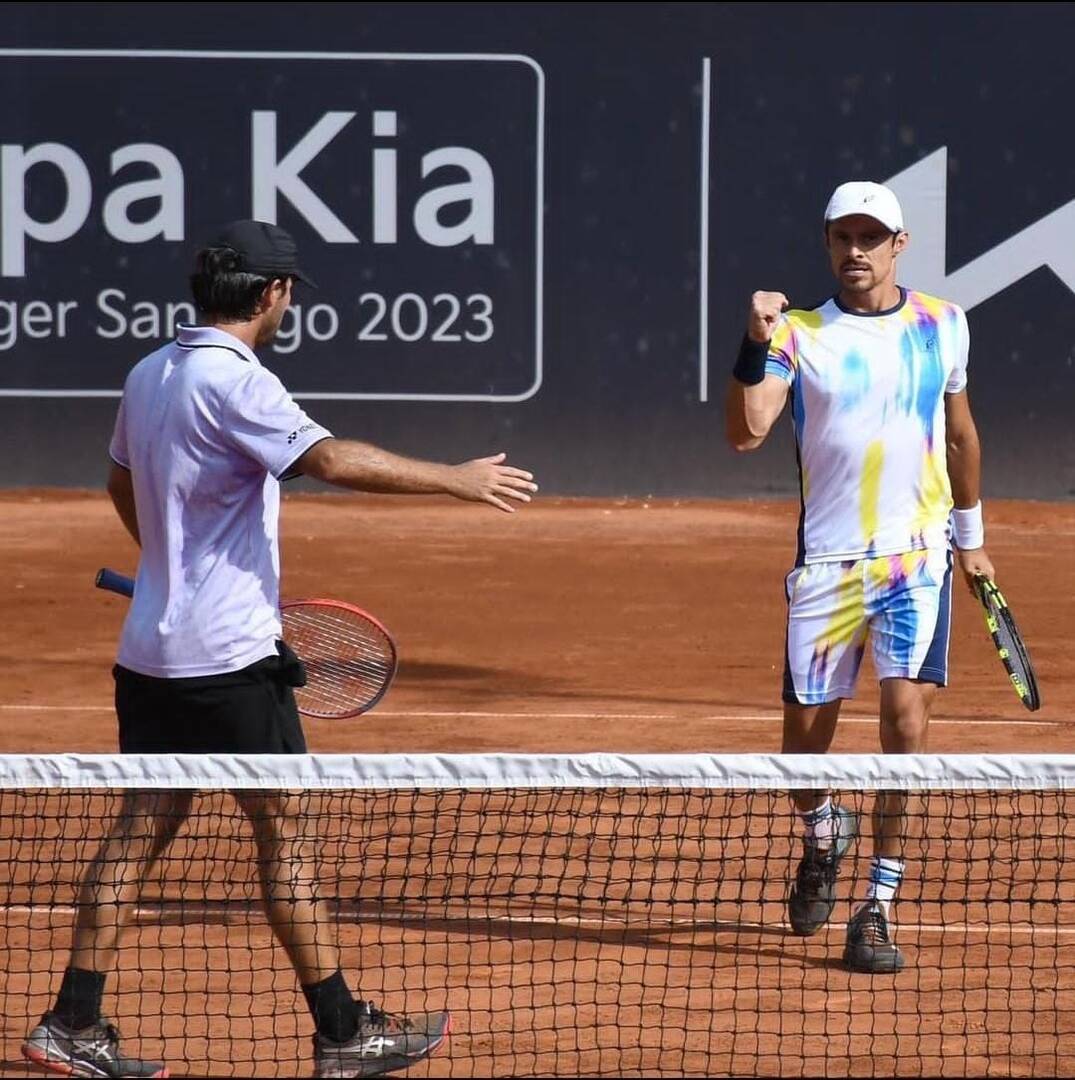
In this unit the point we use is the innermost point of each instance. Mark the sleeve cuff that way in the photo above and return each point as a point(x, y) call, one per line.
point(781, 371)
point(289, 472)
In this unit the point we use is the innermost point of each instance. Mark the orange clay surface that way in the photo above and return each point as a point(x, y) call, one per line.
point(577, 625)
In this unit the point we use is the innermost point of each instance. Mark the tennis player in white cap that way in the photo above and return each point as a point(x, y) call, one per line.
point(889, 469)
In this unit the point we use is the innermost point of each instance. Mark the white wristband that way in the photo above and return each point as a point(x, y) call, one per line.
point(968, 529)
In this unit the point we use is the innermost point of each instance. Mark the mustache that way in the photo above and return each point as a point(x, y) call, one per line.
point(855, 266)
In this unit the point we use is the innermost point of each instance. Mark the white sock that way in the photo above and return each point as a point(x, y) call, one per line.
point(820, 824)
point(885, 878)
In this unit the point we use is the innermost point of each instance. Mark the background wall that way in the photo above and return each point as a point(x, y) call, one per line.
point(563, 282)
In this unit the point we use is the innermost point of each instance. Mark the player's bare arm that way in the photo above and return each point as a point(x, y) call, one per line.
point(964, 473)
point(121, 489)
point(362, 467)
point(751, 408)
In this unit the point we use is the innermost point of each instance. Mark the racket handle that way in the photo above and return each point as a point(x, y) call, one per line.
point(113, 582)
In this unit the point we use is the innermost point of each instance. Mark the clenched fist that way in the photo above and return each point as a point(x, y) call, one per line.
point(765, 309)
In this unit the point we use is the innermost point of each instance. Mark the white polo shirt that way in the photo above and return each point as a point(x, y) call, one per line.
point(206, 432)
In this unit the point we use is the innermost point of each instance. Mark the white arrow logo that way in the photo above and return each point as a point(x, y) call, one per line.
point(375, 1046)
point(923, 192)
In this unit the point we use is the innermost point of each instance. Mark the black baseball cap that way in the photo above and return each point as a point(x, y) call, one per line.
point(264, 249)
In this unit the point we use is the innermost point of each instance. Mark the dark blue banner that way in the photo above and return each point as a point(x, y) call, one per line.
point(536, 227)
point(411, 182)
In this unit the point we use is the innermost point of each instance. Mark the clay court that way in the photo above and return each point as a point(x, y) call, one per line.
point(573, 626)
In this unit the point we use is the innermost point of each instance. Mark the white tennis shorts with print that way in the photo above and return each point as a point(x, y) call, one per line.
point(902, 602)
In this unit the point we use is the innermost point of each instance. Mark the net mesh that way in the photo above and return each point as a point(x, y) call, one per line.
point(619, 925)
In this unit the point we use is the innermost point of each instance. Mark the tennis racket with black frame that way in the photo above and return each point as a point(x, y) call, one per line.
point(1009, 642)
point(349, 656)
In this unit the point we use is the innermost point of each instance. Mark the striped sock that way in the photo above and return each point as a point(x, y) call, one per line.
point(821, 824)
point(885, 878)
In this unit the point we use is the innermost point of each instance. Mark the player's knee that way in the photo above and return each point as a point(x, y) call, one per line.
point(809, 741)
point(905, 732)
point(809, 729)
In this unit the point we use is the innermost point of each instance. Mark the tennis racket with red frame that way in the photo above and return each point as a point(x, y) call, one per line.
point(349, 656)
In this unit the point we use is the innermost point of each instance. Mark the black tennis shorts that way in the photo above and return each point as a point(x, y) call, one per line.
point(251, 711)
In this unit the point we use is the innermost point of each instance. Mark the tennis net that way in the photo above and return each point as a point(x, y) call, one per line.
point(598, 914)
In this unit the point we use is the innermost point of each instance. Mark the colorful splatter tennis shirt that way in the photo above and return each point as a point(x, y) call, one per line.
point(867, 399)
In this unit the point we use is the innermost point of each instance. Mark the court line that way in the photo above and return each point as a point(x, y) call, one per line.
point(699, 925)
point(767, 718)
point(58, 708)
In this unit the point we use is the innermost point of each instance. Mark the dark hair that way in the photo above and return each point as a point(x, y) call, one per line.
point(221, 289)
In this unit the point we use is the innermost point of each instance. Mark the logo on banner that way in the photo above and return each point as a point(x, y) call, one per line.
point(275, 176)
point(923, 191)
point(416, 207)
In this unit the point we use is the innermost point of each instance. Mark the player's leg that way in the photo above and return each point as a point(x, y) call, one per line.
point(906, 706)
point(147, 823)
point(910, 632)
point(263, 718)
point(905, 711)
point(285, 838)
point(825, 637)
point(810, 729)
point(828, 830)
point(353, 1038)
point(72, 1036)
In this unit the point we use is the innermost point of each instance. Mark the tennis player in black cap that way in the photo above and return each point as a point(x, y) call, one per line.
point(202, 437)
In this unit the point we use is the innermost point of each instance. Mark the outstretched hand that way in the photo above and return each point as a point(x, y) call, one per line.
point(489, 480)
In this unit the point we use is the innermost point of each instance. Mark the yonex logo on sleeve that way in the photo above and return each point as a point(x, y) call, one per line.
point(295, 434)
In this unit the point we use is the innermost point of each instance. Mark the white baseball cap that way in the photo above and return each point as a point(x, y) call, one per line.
point(866, 197)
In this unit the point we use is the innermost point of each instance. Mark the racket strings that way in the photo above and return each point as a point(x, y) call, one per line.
point(1017, 654)
point(1010, 646)
point(348, 658)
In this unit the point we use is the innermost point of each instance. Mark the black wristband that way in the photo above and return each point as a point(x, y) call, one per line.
point(750, 364)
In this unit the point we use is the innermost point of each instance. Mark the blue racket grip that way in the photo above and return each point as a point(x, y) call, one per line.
point(109, 579)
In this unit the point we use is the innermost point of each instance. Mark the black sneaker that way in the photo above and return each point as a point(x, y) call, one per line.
point(869, 947)
point(92, 1051)
point(383, 1043)
point(813, 896)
